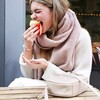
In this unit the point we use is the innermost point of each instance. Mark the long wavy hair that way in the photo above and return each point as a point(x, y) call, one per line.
point(59, 8)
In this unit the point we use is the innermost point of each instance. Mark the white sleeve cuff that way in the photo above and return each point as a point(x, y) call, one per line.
point(26, 70)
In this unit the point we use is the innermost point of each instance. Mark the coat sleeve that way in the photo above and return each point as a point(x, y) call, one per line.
point(26, 70)
point(83, 57)
point(56, 78)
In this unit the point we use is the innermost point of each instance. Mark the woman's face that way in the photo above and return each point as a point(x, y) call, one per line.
point(43, 14)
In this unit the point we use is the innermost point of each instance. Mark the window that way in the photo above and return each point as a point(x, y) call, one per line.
point(88, 13)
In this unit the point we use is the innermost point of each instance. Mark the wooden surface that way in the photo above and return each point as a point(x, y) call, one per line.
point(26, 93)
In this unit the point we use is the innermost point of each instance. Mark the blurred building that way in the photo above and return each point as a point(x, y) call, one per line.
point(88, 13)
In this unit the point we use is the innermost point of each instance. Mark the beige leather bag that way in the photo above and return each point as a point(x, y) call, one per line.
point(69, 89)
point(66, 86)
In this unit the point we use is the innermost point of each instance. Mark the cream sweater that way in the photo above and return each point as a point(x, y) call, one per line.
point(82, 67)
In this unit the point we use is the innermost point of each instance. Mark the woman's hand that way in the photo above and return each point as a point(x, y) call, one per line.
point(29, 36)
point(36, 63)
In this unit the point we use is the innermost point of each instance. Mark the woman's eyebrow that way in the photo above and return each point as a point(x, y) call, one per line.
point(35, 10)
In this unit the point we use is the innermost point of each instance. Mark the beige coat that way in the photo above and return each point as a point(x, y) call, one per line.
point(62, 83)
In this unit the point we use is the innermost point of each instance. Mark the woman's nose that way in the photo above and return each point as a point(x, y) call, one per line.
point(33, 16)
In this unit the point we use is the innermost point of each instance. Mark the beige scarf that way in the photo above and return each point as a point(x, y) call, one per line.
point(63, 43)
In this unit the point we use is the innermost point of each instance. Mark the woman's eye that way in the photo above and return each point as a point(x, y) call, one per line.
point(38, 11)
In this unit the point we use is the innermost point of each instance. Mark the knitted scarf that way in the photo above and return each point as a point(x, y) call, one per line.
point(63, 43)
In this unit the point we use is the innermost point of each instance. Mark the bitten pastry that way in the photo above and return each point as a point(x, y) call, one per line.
point(37, 23)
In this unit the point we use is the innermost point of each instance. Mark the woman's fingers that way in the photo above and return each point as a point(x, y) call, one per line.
point(33, 36)
point(36, 63)
point(31, 63)
point(25, 59)
point(30, 33)
point(29, 29)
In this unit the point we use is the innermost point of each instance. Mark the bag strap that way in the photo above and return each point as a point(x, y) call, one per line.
point(43, 94)
point(98, 51)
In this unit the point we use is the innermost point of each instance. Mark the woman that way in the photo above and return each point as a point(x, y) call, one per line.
point(62, 55)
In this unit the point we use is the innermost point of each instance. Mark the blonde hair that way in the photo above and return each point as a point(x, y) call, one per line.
point(58, 7)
